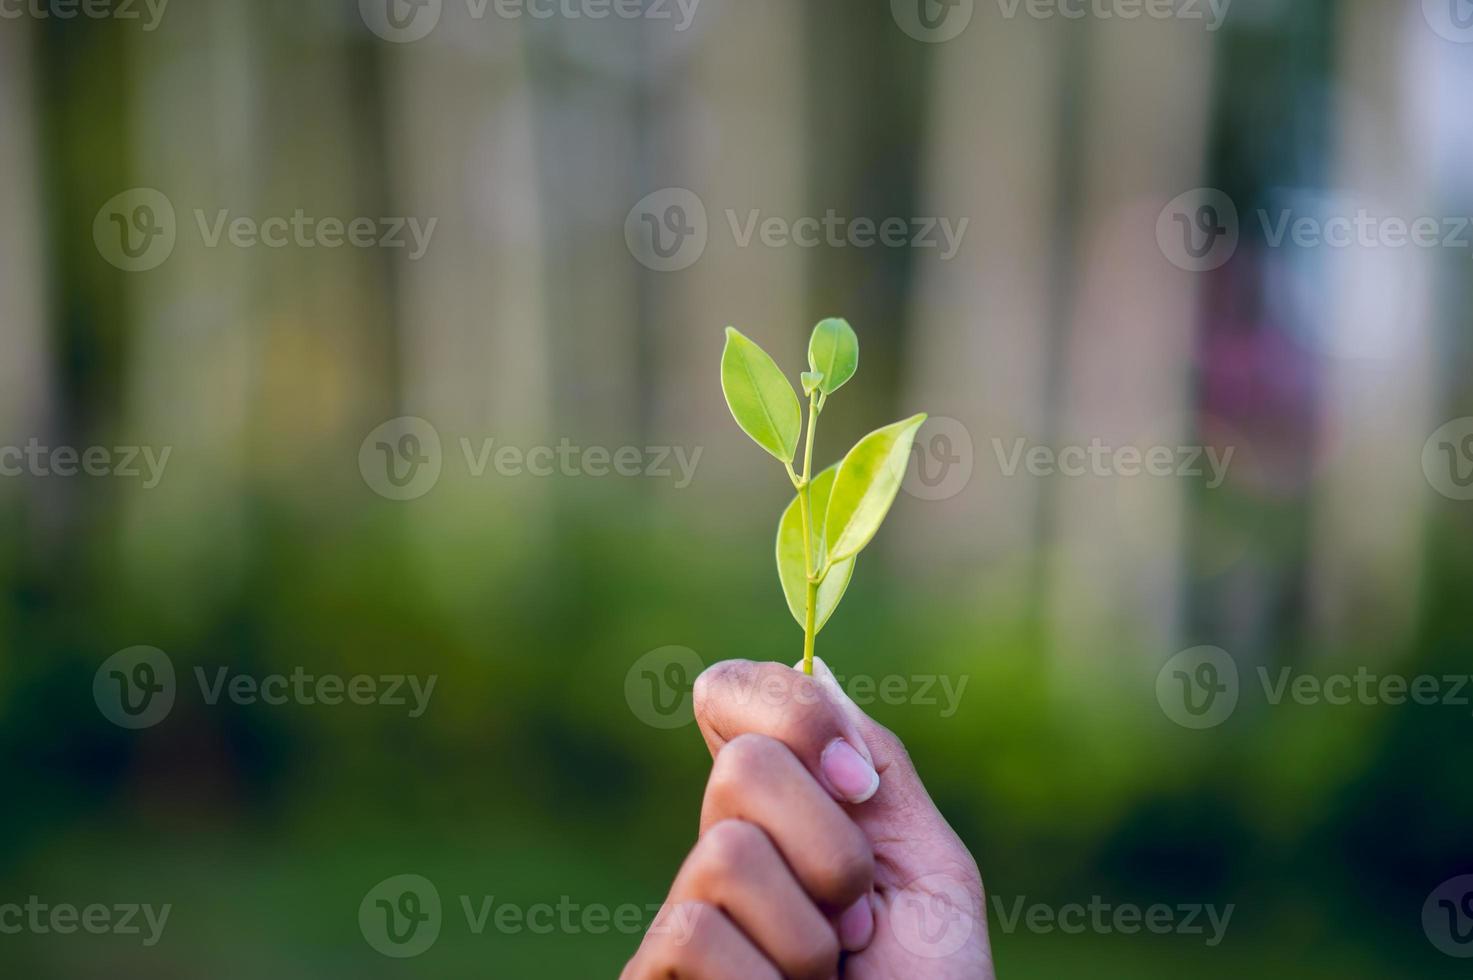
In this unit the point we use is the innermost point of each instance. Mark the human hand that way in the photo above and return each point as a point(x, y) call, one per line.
point(820, 853)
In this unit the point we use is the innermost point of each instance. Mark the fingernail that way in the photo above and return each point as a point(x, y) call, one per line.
point(840, 697)
point(857, 926)
point(848, 772)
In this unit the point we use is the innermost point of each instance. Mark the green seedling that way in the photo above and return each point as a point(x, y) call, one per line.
point(836, 513)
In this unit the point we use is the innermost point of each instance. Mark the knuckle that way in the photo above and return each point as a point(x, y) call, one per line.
point(743, 760)
point(680, 951)
point(785, 686)
point(776, 686)
point(730, 846)
point(819, 957)
point(717, 681)
point(849, 869)
point(890, 747)
point(809, 728)
point(750, 751)
point(651, 961)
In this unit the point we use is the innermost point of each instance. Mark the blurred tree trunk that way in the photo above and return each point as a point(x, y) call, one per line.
point(476, 336)
point(25, 368)
point(459, 137)
point(983, 322)
point(1115, 583)
point(1378, 350)
point(727, 122)
point(1060, 321)
point(248, 361)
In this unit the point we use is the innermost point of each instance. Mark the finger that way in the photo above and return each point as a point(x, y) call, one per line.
point(758, 779)
point(738, 697)
point(901, 792)
point(856, 925)
point(694, 941)
point(901, 808)
point(737, 868)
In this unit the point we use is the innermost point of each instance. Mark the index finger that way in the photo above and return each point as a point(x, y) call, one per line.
point(737, 697)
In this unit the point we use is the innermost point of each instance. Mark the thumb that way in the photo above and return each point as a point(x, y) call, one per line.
point(919, 860)
point(901, 803)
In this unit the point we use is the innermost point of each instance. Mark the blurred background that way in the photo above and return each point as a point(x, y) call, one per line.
point(333, 258)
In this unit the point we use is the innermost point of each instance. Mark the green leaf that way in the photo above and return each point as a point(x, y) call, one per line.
point(811, 380)
point(790, 568)
point(869, 477)
point(760, 398)
point(833, 351)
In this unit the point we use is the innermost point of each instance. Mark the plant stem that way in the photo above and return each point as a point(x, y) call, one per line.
point(808, 630)
point(805, 506)
point(813, 410)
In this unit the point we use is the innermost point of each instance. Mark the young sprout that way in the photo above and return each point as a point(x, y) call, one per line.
point(836, 513)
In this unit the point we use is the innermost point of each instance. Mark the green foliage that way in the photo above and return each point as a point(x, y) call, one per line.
point(791, 556)
point(760, 398)
point(868, 480)
point(836, 513)
point(833, 352)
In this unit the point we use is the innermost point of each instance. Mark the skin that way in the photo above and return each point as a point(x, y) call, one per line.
point(791, 877)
